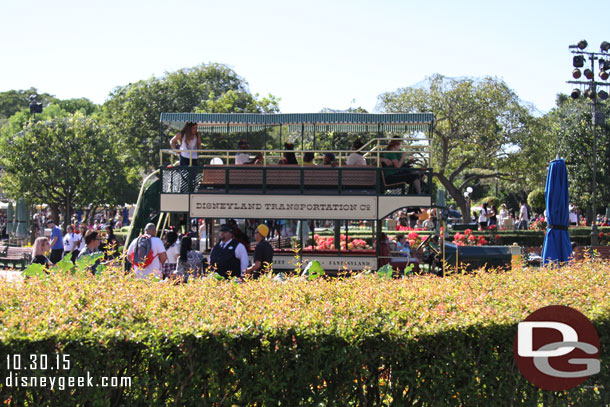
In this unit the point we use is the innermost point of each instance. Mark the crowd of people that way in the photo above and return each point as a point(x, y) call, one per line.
point(176, 258)
point(75, 244)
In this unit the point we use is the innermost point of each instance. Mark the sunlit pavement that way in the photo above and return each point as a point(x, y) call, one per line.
point(11, 275)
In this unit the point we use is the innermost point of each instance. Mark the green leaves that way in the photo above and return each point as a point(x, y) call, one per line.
point(133, 111)
point(34, 270)
point(479, 125)
point(386, 272)
point(314, 270)
point(355, 341)
point(71, 161)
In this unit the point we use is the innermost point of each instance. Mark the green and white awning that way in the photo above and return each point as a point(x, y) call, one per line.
point(308, 122)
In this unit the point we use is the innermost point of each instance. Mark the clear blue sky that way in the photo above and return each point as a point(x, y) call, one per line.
point(311, 54)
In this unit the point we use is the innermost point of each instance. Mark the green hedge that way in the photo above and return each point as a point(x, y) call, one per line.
point(353, 342)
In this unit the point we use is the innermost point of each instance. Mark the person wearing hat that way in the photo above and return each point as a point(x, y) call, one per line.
point(243, 157)
point(263, 253)
point(57, 242)
point(228, 257)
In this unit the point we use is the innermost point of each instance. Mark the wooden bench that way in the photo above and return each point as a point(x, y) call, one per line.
point(18, 258)
point(290, 176)
point(602, 252)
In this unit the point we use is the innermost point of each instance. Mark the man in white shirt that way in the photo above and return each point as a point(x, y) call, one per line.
point(523, 216)
point(157, 252)
point(244, 158)
point(356, 158)
point(228, 257)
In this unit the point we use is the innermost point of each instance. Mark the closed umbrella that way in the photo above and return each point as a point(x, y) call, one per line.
point(9, 219)
point(557, 247)
point(21, 231)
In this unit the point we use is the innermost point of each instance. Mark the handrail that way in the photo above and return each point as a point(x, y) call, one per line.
point(374, 147)
point(137, 210)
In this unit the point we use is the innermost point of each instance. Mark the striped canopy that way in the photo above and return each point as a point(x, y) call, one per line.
point(345, 122)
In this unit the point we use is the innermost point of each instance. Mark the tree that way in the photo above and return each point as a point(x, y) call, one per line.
point(13, 101)
point(479, 127)
point(133, 111)
point(66, 163)
point(570, 125)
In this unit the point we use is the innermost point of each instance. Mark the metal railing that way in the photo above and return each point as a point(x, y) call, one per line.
point(416, 147)
point(302, 180)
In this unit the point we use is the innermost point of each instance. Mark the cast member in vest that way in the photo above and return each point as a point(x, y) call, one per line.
point(228, 257)
point(263, 253)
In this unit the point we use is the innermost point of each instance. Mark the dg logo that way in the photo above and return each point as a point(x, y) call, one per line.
point(557, 348)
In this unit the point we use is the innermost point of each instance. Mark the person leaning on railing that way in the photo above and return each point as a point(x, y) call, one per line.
point(397, 167)
point(187, 139)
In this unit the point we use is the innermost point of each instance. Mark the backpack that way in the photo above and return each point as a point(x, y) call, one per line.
point(142, 254)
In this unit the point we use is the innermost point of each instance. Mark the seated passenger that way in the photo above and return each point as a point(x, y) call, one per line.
point(402, 245)
point(329, 159)
point(308, 158)
point(244, 158)
point(289, 157)
point(429, 224)
point(397, 167)
point(356, 157)
point(186, 140)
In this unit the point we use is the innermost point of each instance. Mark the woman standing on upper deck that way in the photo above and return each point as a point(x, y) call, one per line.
point(186, 140)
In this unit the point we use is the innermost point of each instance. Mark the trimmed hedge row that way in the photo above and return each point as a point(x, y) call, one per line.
point(354, 342)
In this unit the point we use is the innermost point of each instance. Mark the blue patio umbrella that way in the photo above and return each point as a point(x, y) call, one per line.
point(557, 247)
point(125, 216)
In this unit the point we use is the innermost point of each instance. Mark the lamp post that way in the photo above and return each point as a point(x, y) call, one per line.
point(468, 217)
point(591, 85)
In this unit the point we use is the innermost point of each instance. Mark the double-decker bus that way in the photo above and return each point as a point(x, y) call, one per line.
point(349, 203)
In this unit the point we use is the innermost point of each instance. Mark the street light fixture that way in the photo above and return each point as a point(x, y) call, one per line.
point(467, 193)
point(590, 91)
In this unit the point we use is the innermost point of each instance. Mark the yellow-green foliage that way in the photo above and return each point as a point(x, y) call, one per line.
point(352, 341)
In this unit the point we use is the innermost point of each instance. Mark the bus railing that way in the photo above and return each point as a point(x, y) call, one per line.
point(281, 179)
point(417, 148)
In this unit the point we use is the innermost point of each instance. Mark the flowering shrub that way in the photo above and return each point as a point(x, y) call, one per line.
point(468, 239)
point(401, 228)
point(414, 239)
point(343, 342)
point(328, 243)
point(538, 224)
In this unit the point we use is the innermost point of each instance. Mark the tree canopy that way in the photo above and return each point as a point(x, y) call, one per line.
point(480, 127)
point(132, 111)
point(13, 101)
point(569, 124)
point(67, 163)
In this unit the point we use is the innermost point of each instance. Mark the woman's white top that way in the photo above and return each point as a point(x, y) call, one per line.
point(185, 145)
point(173, 252)
point(483, 215)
